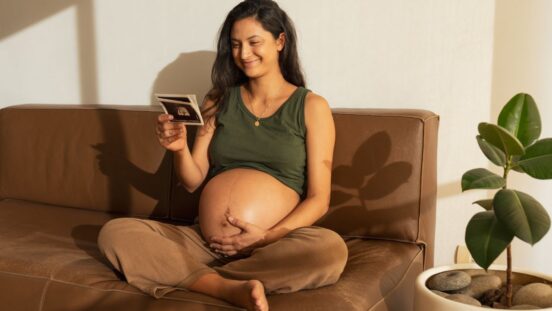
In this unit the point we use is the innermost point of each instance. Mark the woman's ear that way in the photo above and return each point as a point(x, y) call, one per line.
point(281, 42)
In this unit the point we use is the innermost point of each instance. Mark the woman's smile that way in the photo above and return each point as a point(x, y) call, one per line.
point(250, 63)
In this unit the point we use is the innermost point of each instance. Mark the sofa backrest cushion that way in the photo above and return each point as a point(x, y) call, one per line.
point(384, 175)
point(104, 158)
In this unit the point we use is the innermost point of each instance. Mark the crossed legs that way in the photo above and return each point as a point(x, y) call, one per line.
point(159, 258)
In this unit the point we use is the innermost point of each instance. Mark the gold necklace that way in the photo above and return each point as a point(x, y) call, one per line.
point(257, 123)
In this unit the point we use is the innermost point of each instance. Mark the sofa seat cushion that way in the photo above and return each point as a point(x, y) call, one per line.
point(379, 275)
point(53, 242)
point(49, 259)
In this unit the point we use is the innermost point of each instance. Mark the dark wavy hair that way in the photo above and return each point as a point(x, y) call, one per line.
point(226, 74)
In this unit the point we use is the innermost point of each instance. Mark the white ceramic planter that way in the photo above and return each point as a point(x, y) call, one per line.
point(425, 300)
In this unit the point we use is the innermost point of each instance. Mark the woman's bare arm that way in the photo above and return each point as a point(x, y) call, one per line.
point(192, 167)
point(320, 140)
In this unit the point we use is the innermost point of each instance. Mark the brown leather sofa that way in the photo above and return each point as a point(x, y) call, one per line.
point(65, 170)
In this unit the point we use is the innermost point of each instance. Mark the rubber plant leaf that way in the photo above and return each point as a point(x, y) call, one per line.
point(486, 238)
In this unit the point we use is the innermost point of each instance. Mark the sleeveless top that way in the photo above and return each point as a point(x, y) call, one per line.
point(276, 147)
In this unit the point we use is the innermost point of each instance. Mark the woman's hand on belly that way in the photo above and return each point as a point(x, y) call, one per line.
point(251, 237)
point(249, 195)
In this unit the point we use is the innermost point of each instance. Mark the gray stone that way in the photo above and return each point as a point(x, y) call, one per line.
point(449, 280)
point(537, 294)
point(475, 272)
point(440, 293)
point(464, 299)
point(524, 307)
point(481, 284)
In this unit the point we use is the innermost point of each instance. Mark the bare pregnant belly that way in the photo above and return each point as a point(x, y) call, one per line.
point(247, 194)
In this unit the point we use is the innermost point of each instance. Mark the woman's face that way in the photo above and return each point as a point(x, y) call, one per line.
point(255, 51)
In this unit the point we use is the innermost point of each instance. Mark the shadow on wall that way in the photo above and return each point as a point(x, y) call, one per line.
point(369, 177)
point(449, 189)
point(17, 15)
point(124, 175)
point(189, 73)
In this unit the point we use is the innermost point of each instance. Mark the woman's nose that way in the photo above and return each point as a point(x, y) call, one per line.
point(245, 51)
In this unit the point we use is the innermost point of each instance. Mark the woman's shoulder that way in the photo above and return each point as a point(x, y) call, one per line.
point(316, 108)
point(315, 101)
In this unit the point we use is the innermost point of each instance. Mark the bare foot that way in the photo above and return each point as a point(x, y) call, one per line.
point(248, 294)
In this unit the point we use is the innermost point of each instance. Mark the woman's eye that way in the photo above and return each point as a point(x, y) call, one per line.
point(255, 43)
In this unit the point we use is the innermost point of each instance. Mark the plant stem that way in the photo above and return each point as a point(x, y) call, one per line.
point(509, 295)
point(509, 277)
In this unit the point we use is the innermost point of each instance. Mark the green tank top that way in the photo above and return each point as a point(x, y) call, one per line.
point(276, 146)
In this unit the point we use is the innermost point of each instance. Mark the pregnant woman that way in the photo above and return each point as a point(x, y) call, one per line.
point(266, 150)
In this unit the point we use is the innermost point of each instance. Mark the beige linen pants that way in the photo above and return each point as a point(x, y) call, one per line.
point(159, 258)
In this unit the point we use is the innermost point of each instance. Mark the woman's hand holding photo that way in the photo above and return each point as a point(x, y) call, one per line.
point(171, 135)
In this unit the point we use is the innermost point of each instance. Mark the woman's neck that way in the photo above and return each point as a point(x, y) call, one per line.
point(266, 87)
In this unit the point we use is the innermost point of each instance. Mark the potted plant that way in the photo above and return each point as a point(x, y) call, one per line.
point(513, 144)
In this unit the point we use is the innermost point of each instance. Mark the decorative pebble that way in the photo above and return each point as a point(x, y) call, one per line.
point(481, 284)
point(475, 272)
point(449, 280)
point(537, 294)
point(440, 293)
point(524, 307)
point(515, 288)
point(464, 299)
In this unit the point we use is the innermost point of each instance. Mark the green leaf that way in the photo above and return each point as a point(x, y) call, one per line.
point(500, 138)
point(486, 204)
point(486, 238)
point(481, 178)
point(537, 160)
point(492, 153)
point(522, 215)
point(520, 116)
point(515, 163)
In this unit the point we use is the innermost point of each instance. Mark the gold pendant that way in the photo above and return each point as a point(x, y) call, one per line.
point(257, 123)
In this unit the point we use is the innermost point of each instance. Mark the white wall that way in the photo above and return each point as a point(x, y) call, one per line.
point(432, 54)
point(523, 63)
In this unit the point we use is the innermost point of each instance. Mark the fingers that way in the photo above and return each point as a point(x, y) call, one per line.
point(164, 117)
point(169, 140)
point(237, 223)
point(226, 244)
point(223, 247)
point(223, 240)
point(225, 250)
point(226, 254)
point(167, 131)
point(164, 123)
